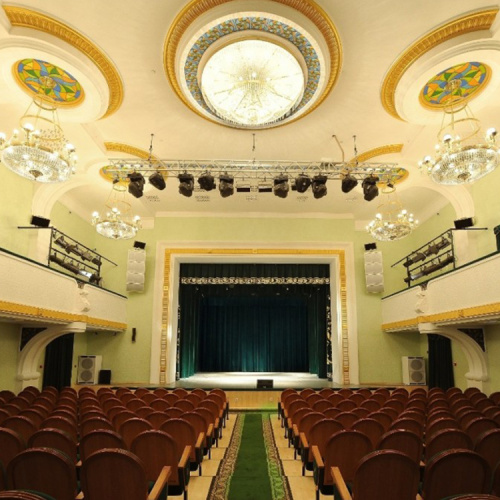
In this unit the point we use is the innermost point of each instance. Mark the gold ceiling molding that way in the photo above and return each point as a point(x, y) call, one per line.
point(196, 8)
point(342, 291)
point(26, 18)
point(381, 150)
point(119, 147)
point(476, 21)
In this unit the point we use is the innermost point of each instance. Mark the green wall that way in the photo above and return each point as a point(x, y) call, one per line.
point(10, 335)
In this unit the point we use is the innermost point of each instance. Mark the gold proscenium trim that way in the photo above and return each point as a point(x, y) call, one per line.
point(120, 147)
point(165, 318)
point(197, 8)
point(26, 18)
point(476, 21)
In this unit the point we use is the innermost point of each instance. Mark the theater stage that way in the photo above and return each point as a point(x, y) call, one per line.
point(249, 380)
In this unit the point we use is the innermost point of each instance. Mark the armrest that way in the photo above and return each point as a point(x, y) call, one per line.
point(217, 423)
point(210, 430)
point(79, 463)
point(160, 483)
point(295, 431)
point(184, 461)
point(317, 457)
point(199, 447)
point(79, 496)
point(339, 482)
point(419, 497)
point(303, 441)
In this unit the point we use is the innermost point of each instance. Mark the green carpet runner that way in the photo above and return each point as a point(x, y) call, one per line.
point(251, 468)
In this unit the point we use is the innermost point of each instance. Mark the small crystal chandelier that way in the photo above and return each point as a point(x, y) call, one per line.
point(117, 223)
point(41, 153)
point(462, 156)
point(392, 222)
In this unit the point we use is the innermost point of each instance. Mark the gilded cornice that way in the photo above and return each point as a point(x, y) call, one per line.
point(476, 21)
point(486, 311)
point(308, 8)
point(381, 150)
point(165, 318)
point(119, 147)
point(26, 18)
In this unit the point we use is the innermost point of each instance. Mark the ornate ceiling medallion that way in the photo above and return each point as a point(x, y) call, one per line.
point(194, 54)
point(469, 79)
point(43, 79)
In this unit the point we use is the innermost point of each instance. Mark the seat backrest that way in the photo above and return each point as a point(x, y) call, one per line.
point(177, 412)
point(321, 431)
point(157, 418)
point(197, 421)
point(62, 423)
point(383, 418)
point(410, 424)
point(402, 440)
point(331, 412)
point(321, 405)
point(183, 433)
point(370, 404)
point(20, 495)
point(11, 443)
point(98, 440)
point(93, 424)
point(439, 424)
point(45, 470)
point(171, 398)
point(386, 475)
point(159, 404)
point(184, 405)
point(478, 426)
point(447, 439)
point(113, 474)
point(347, 419)
point(54, 438)
point(371, 428)
point(454, 472)
point(309, 420)
point(121, 417)
point(156, 449)
point(131, 428)
point(22, 425)
point(488, 446)
point(344, 450)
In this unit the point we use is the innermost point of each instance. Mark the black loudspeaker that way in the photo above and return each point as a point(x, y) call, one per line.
point(463, 223)
point(370, 246)
point(39, 221)
point(139, 244)
point(263, 383)
point(104, 377)
point(134, 334)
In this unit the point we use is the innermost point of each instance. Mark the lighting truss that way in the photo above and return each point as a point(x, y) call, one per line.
point(254, 172)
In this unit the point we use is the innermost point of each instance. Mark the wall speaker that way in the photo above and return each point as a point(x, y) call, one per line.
point(413, 370)
point(370, 246)
point(464, 223)
point(39, 221)
point(374, 271)
point(104, 377)
point(139, 244)
point(264, 383)
point(136, 270)
point(88, 369)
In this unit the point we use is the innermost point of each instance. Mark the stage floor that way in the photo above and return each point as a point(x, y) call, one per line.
point(248, 380)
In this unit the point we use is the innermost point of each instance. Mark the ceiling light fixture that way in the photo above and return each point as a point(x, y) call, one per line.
point(281, 186)
point(157, 180)
point(319, 186)
point(370, 188)
point(348, 182)
point(392, 222)
point(302, 183)
point(226, 185)
point(186, 184)
point(462, 156)
point(41, 153)
point(117, 223)
point(136, 184)
point(206, 181)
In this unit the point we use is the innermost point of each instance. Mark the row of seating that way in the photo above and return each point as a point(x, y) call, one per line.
point(383, 420)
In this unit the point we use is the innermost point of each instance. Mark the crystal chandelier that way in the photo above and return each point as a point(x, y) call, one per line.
point(462, 155)
point(40, 152)
point(117, 223)
point(392, 222)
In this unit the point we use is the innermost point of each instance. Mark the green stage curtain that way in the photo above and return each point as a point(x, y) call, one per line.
point(253, 327)
point(58, 362)
point(440, 362)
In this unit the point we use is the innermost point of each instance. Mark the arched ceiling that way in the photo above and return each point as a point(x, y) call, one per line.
point(130, 57)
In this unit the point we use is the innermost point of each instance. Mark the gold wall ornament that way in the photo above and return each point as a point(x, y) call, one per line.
point(342, 293)
point(26, 18)
point(308, 8)
point(469, 23)
point(379, 151)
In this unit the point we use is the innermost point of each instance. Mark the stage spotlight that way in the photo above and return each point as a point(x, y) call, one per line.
point(136, 184)
point(319, 186)
point(62, 243)
point(302, 183)
point(96, 260)
point(206, 181)
point(348, 183)
point(435, 249)
point(414, 258)
point(157, 180)
point(226, 185)
point(281, 186)
point(370, 188)
point(186, 184)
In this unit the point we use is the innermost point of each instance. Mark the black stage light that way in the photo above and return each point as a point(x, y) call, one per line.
point(86, 255)
point(348, 183)
point(186, 184)
point(70, 267)
point(370, 188)
point(319, 186)
point(158, 181)
point(414, 258)
point(226, 185)
point(62, 243)
point(206, 181)
point(302, 183)
point(136, 184)
point(281, 186)
point(96, 260)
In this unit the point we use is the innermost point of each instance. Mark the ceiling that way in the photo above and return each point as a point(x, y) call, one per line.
point(132, 36)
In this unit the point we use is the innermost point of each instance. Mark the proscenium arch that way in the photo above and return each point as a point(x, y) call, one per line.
point(476, 358)
point(343, 306)
point(27, 373)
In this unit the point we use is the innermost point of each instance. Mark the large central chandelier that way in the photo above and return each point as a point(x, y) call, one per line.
point(392, 222)
point(117, 223)
point(40, 152)
point(462, 155)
